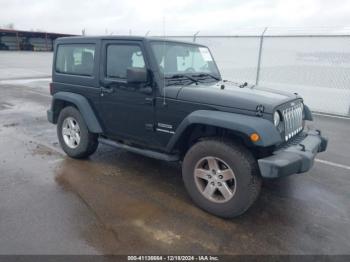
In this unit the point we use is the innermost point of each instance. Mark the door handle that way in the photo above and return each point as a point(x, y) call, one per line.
point(149, 101)
point(108, 90)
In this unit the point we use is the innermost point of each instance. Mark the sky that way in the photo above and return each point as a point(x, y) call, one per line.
point(171, 17)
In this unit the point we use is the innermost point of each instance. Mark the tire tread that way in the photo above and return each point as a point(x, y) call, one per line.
point(88, 146)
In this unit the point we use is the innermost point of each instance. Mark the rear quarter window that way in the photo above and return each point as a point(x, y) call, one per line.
point(75, 59)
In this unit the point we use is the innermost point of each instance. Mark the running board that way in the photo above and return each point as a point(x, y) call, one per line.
point(140, 151)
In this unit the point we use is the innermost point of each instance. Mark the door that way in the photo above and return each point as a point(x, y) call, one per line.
point(126, 109)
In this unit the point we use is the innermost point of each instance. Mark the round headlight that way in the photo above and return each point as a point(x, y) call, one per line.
point(276, 118)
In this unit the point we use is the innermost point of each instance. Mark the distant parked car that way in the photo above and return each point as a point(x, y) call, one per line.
point(166, 99)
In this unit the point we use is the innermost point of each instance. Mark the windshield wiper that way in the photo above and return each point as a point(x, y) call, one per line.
point(179, 76)
point(207, 74)
point(240, 85)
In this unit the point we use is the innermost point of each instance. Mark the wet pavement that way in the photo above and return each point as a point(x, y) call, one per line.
point(22, 64)
point(121, 203)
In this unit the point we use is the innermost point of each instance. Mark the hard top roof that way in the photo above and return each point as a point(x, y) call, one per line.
point(82, 39)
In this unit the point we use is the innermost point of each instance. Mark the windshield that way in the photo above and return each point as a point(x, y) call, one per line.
point(176, 59)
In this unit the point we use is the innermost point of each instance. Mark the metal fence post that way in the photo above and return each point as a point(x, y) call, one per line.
point(46, 43)
point(195, 36)
point(259, 57)
point(17, 41)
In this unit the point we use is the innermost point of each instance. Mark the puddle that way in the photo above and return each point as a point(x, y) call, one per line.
point(146, 216)
point(165, 236)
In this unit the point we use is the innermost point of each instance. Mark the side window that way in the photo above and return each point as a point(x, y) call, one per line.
point(75, 59)
point(122, 57)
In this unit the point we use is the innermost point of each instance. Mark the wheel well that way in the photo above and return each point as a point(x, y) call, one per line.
point(197, 132)
point(58, 106)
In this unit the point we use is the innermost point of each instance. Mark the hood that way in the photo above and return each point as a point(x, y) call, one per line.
point(247, 98)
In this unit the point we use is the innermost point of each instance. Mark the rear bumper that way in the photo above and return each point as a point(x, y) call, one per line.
point(294, 159)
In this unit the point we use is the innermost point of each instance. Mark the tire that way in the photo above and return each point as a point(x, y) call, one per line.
point(87, 143)
point(236, 188)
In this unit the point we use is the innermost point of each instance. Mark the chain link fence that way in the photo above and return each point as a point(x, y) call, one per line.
point(315, 65)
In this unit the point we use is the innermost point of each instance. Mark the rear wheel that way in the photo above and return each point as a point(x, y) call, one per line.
point(221, 177)
point(73, 134)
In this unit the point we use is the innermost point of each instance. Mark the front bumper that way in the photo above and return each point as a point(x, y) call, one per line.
point(294, 159)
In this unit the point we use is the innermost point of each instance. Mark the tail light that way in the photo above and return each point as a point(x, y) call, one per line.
point(51, 88)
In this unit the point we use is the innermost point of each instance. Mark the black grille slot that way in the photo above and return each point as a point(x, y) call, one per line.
point(296, 140)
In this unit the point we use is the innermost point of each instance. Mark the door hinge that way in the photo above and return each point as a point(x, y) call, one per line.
point(149, 127)
point(149, 101)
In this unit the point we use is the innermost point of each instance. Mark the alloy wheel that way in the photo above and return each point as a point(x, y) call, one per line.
point(71, 132)
point(214, 179)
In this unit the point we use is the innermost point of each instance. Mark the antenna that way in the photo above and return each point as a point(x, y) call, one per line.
point(164, 45)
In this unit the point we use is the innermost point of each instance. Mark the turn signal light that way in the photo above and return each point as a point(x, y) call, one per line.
point(254, 137)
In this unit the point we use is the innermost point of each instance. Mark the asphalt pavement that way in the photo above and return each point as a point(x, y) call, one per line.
point(117, 202)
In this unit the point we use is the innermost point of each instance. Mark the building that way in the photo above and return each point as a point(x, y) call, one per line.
point(27, 40)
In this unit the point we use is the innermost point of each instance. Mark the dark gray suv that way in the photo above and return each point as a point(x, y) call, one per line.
point(166, 100)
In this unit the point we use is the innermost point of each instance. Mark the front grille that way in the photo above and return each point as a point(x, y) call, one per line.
point(293, 120)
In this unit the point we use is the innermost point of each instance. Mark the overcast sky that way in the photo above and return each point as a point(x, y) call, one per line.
point(180, 16)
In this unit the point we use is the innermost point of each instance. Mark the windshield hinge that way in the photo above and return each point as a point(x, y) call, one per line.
point(260, 110)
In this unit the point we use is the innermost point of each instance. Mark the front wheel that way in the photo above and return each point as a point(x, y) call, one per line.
point(221, 177)
point(73, 134)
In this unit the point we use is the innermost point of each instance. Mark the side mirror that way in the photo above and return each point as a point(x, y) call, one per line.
point(136, 75)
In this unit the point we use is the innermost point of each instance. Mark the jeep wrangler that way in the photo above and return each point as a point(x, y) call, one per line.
point(166, 100)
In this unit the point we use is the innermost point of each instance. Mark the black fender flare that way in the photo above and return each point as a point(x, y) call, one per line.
point(83, 106)
point(307, 113)
point(244, 124)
